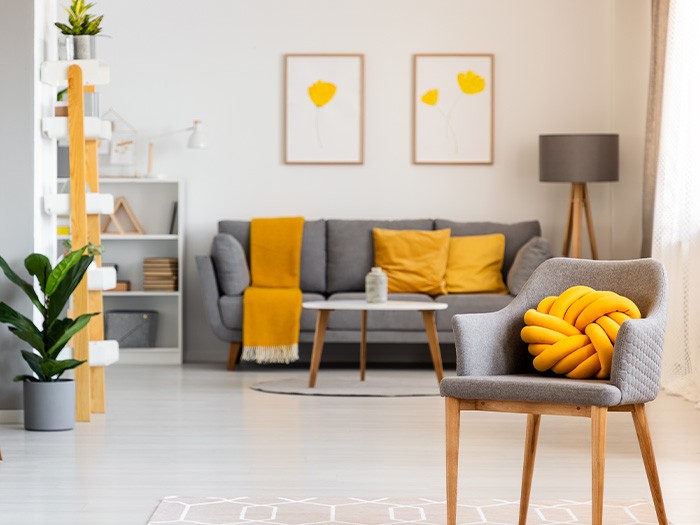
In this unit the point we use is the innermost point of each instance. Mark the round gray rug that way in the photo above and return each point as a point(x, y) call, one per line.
point(377, 383)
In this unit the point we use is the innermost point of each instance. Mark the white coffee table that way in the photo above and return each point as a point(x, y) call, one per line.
point(324, 308)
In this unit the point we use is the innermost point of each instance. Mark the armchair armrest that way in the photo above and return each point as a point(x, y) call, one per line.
point(636, 366)
point(210, 298)
point(489, 343)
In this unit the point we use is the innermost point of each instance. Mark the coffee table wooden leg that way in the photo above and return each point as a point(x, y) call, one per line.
point(431, 330)
point(319, 335)
point(363, 345)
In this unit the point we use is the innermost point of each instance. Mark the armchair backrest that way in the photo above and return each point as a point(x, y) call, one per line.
point(636, 367)
point(490, 344)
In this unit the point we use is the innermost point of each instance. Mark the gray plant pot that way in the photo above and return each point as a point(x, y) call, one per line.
point(80, 47)
point(49, 406)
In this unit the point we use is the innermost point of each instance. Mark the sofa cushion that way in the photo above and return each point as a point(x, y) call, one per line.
point(231, 308)
point(414, 260)
point(313, 250)
point(351, 250)
point(469, 303)
point(230, 263)
point(516, 234)
point(377, 320)
point(474, 264)
point(533, 253)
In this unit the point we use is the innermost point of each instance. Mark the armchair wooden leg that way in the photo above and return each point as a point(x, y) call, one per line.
point(599, 420)
point(452, 418)
point(233, 353)
point(641, 425)
point(531, 433)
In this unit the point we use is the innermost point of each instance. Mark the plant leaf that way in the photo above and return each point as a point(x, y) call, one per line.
point(26, 377)
point(54, 369)
point(70, 281)
point(39, 266)
point(27, 288)
point(58, 273)
point(21, 325)
point(69, 330)
point(35, 363)
point(31, 336)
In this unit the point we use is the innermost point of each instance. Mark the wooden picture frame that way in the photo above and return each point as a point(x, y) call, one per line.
point(453, 108)
point(324, 108)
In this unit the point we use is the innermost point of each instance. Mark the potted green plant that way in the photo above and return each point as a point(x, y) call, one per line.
point(80, 31)
point(49, 401)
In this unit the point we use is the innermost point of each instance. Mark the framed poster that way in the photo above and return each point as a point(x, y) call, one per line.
point(324, 109)
point(453, 108)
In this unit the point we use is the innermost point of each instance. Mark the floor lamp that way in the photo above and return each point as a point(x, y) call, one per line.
point(579, 159)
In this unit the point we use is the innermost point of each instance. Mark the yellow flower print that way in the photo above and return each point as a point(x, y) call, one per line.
point(470, 83)
point(430, 97)
point(321, 93)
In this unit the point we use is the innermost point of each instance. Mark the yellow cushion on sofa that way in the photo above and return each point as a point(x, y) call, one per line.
point(413, 260)
point(474, 264)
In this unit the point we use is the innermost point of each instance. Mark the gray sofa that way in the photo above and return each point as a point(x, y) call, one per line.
point(336, 256)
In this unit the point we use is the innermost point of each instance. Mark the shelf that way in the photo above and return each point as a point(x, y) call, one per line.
point(140, 293)
point(136, 180)
point(132, 237)
point(95, 128)
point(55, 72)
point(95, 203)
point(101, 279)
point(102, 353)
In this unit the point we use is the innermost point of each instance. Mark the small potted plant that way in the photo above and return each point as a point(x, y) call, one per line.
point(49, 401)
point(80, 31)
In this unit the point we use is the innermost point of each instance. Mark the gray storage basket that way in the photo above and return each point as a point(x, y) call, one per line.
point(132, 328)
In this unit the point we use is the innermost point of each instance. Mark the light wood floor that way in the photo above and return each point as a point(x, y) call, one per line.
point(199, 431)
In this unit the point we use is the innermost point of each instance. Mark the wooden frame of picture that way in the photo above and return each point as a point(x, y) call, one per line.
point(324, 109)
point(453, 108)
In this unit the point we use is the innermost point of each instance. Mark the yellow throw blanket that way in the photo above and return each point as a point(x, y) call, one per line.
point(272, 304)
point(574, 333)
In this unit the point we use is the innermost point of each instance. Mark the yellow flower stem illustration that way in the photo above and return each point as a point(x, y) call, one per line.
point(449, 129)
point(318, 127)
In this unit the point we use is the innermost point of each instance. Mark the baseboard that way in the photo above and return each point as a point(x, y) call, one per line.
point(11, 416)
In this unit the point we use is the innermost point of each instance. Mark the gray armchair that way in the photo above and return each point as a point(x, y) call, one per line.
point(495, 373)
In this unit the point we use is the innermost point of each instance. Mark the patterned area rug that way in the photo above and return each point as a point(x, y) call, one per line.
point(387, 511)
point(346, 383)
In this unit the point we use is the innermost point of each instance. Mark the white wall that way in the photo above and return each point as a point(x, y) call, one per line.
point(221, 60)
point(16, 172)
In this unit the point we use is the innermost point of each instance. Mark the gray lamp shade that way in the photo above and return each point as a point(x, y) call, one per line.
point(579, 158)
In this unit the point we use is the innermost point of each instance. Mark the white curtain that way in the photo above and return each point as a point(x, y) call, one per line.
point(676, 234)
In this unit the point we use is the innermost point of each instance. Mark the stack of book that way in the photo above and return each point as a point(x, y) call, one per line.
point(160, 274)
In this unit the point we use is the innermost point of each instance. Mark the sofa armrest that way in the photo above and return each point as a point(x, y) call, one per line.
point(489, 343)
point(210, 298)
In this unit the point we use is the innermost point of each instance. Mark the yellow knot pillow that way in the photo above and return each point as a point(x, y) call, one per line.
point(573, 334)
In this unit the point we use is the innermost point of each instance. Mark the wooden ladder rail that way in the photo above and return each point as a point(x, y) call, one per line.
point(90, 381)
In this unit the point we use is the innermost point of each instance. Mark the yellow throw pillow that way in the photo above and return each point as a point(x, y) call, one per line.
point(413, 260)
point(474, 264)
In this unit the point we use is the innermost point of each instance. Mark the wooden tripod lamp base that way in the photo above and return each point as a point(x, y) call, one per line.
point(579, 159)
point(572, 241)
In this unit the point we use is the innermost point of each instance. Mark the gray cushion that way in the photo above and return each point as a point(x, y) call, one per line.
point(533, 253)
point(231, 308)
point(351, 250)
point(313, 250)
point(468, 303)
point(516, 234)
point(380, 320)
point(230, 262)
point(535, 388)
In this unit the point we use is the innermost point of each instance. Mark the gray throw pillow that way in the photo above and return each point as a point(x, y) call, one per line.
point(230, 264)
point(533, 253)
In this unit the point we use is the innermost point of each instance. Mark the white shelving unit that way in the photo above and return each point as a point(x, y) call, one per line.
point(151, 201)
